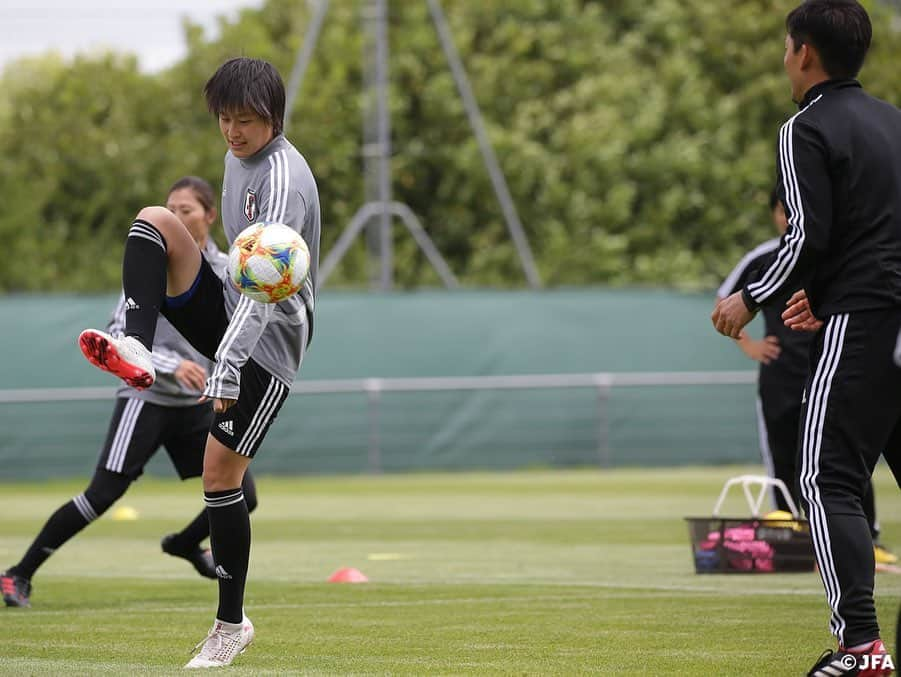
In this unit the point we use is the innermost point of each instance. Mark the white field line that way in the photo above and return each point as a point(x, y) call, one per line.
point(144, 608)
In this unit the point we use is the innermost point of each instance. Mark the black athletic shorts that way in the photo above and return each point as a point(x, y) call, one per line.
point(138, 428)
point(199, 315)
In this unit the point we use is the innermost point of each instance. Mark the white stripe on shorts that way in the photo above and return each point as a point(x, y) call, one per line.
point(119, 448)
point(261, 416)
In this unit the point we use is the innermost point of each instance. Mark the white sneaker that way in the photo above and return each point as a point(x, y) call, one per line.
point(125, 357)
point(225, 641)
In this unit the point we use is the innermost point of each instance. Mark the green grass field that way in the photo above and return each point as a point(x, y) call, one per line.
point(530, 573)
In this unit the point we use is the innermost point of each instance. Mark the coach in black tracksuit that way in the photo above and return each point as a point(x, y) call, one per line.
point(840, 177)
point(783, 355)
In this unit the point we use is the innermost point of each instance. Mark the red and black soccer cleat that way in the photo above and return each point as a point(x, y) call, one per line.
point(16, 590)
point(874, 661)
point(125, 357)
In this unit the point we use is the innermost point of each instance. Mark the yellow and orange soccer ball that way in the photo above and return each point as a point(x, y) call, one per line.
point(268, 262)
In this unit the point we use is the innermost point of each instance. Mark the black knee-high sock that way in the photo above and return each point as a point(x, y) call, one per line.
point(250, 491)
point(199, 528)
point(194, 532)
point(230, 540)
point(144, 280)
point(67, 521)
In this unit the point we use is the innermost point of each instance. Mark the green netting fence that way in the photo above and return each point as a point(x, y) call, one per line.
point(422, 381)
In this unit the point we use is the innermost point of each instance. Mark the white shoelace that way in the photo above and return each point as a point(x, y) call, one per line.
point(219, 645)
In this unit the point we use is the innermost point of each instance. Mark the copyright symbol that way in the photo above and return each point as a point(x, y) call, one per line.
point(848, 661)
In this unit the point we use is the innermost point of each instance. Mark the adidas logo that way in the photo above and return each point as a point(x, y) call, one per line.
point(222, 573)
point(130, 304)
point(228, 427)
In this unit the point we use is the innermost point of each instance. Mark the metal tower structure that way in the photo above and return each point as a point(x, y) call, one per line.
point(378, 210)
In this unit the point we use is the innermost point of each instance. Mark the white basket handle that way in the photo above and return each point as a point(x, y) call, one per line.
point(762, 483)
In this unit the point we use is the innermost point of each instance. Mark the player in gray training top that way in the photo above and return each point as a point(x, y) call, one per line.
point(274, 186)
point(167, 414)
point(257, 348)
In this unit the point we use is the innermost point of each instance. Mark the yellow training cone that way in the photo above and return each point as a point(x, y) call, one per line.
point(124, 513)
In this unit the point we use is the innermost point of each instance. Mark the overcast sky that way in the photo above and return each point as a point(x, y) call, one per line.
point(152, 30)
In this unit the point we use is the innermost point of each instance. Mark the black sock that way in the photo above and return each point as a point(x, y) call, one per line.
point(67, 521)
point(230, 540)
point(144, 280)
point(199, 528)
point(191, 536)
point(250, 491)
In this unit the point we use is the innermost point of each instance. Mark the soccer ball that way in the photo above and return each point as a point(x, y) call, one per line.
point(268, 262)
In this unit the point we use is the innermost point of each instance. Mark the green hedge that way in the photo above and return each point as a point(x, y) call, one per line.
point(638, 138)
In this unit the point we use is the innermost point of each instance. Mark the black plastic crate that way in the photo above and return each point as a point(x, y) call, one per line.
point(750, 545)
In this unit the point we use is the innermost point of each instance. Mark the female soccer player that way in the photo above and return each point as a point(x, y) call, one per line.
point(257, 348)
point(167, 414)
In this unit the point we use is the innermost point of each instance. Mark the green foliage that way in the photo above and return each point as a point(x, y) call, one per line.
point(637, 139)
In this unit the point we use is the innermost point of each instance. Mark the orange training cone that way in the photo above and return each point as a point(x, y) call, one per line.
point(348, 575)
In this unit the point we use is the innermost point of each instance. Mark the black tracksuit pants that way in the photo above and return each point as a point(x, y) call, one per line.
point(779, 448)
point(851, 414)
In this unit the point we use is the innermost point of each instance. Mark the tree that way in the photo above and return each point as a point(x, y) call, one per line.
point(638, 139)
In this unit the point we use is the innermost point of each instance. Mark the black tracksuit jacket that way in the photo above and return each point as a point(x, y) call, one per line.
point(840, 181)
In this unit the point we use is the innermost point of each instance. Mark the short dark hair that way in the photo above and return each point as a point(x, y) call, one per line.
point(202, 190)
point(248, 84)
point(840, 30)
